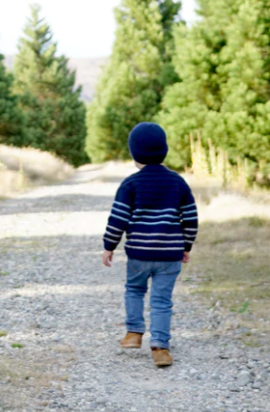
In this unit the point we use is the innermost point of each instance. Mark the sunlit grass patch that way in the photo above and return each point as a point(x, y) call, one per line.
point(24, 167)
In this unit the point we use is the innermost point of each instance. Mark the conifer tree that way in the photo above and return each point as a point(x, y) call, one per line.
point(196, 60)
point(224, 66)
point(242, 124)
point(11, 117)
point(132, 84)
point(55, 116)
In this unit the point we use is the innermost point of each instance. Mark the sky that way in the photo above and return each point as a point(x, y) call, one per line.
point(82, 28)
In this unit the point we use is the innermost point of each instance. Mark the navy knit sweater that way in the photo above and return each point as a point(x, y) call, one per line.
point(156, 209)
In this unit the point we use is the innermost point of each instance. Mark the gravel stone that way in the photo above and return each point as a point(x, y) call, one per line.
point(101, 401)
point(257, 385)
point(234, 388)
point(67, 311)
point(244, 378)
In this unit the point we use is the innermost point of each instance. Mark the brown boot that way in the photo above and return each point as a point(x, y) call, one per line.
point(132, 340)
point(162, 357)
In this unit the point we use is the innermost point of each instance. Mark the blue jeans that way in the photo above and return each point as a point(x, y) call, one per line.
point(163, 275)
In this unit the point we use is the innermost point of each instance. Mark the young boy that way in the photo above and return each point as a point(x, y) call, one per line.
point(156, 209)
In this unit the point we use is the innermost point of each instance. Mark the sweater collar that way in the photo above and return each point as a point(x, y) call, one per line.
point(153, 168)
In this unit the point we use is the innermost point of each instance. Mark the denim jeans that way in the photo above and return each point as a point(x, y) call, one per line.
point(163, 275)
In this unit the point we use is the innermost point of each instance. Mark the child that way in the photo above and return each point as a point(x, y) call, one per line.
point(156, 209)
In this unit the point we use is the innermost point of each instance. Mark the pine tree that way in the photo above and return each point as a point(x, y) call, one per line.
point(223, 62)
point(187, 103)
point(55, 116)
point(11, 118)
point(132, 84)
point(242, 123)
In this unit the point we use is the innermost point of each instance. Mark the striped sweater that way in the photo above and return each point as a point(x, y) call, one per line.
point(156, 209)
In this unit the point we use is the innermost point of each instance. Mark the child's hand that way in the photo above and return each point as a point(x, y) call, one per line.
point(186, 257)
point(107, 258)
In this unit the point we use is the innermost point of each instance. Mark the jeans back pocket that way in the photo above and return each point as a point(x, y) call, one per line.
point(171, 268)
point(135, 265)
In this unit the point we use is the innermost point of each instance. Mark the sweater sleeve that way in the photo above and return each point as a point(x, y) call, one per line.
point(189, 220)
point(118, 219)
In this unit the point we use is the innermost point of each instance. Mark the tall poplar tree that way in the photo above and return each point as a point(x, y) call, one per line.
point(11, 118)
point(55, 116)
point(132, 84)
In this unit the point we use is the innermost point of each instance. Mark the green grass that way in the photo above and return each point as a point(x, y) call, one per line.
point(243, 308)
point(3, 333)
point(17, 345)
point(256, 221)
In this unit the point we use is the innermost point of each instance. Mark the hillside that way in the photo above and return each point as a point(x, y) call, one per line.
point(88, 70)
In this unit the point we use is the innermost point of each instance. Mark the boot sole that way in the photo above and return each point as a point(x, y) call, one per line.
point(131, 346)
point(163, 363)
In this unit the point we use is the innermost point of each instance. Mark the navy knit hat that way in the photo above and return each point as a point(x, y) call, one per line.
point(147, 143)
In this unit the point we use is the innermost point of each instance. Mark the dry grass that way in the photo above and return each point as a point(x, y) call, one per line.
point(231, 257)
point(23, 378)
point(214, 162)
point(27, 376)
point(22, 167)
point(10, 182)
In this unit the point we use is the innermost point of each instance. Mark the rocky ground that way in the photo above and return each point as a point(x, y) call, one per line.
point(62, 316)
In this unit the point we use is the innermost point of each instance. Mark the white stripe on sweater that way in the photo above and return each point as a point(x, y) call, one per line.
point(111, 234)
point(156, 217)
point(121, 211)
point(190, 218)
point(119, 217)
point(110, 240)
point(155, 234)
point(190, 229)
point(155, 248)
point(185, 207)
point(115, 228)
point(190, 211)
point(156, 210)
point(122, 204)
point(154, 223)
point(189, 235)
point(155, 241)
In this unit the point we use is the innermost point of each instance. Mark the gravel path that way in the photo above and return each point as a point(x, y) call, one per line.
point(62, 315)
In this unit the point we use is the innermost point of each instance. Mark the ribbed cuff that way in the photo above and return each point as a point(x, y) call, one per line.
point(110, 246)
point(188, 247)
